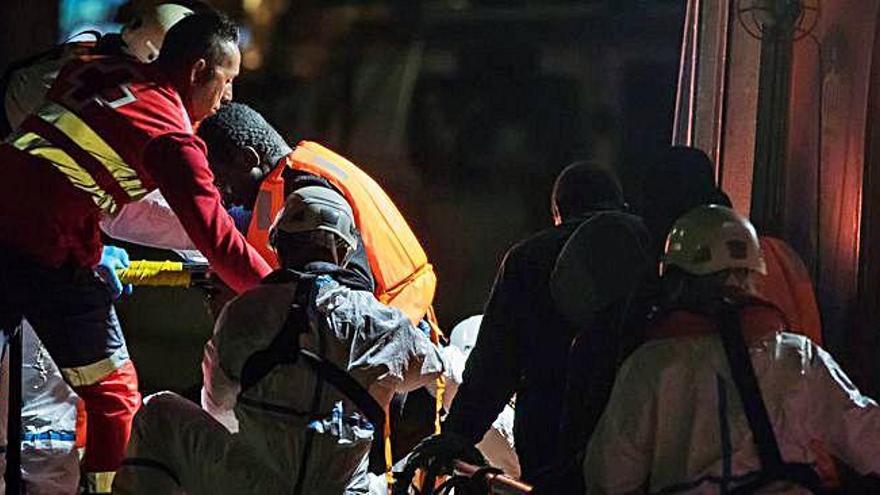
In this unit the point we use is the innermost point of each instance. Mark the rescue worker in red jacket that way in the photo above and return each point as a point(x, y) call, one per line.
point(111, 131)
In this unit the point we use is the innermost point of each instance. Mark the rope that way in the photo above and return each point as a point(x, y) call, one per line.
point(155, 273)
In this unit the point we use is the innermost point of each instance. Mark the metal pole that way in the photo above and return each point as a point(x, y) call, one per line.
point(771, 132)
point(498, 483)
point(13, 424)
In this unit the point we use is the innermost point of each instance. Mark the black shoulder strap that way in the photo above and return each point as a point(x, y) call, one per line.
point(747, 386)
point(773, 468)
point(349, 387)
point(283, 348)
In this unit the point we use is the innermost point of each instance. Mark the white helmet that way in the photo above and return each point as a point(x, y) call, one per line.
point(464, 335)
point(144, 33)
point(710, 239)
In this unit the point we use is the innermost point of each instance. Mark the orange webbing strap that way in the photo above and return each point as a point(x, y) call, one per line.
point(436, 336)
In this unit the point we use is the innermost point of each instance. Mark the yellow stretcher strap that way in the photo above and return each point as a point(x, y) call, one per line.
point(155, 273)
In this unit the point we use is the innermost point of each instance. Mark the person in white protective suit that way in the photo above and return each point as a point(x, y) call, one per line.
point(298, 432)
point(677, 422)
point(50, 463)
point(497, 445)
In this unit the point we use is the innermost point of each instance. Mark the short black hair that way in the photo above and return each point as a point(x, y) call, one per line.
point(681, 171)
point(196, 36)
point(680, 179)
point(583, 187)
point(235, 126)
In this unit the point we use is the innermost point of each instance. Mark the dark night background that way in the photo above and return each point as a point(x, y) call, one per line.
point(464, 111)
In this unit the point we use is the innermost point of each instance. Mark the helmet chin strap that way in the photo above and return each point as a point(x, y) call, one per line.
point(345, 259)
point(742, 280)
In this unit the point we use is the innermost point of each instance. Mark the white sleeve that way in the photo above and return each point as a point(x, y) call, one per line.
point(453, 369)
point(421, 358)
point(149, 222)
point(219, 392)
point(403, 357)
point(846, 421)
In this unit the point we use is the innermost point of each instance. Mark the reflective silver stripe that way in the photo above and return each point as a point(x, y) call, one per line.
point(34, 144)
point(91, 374)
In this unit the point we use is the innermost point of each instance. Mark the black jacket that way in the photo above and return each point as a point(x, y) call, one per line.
point(524, 348)
point(521, 349)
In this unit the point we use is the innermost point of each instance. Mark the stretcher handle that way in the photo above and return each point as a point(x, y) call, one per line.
point(498, 483)
point(147, 273)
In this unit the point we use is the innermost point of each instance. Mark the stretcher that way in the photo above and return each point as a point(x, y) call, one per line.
point(165, 274)
point(494, 482)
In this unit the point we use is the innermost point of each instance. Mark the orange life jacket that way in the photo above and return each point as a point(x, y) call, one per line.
point(404, 278)
point(788, 286)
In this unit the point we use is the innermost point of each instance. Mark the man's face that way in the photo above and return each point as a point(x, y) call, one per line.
point(210, 87)
point(238, 177)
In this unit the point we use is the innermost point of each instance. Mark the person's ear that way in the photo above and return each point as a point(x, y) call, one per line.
point(197, 71)
point(251, 156)
point(251, 160)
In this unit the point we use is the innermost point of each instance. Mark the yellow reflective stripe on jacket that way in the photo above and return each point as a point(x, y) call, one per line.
point(80, 133)
point(34, 144)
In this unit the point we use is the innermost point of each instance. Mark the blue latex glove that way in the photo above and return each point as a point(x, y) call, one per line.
point(241, 216)
point(424, 326)
point(113, 258)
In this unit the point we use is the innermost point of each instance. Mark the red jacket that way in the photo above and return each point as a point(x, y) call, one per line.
point(111, 131)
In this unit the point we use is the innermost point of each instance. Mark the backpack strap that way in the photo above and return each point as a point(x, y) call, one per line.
point(342, 381)
point(285, 346)
point(285, 349)
point(773, 467)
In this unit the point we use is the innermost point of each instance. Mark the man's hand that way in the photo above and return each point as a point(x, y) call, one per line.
point(113, 258)
point(437, 454)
